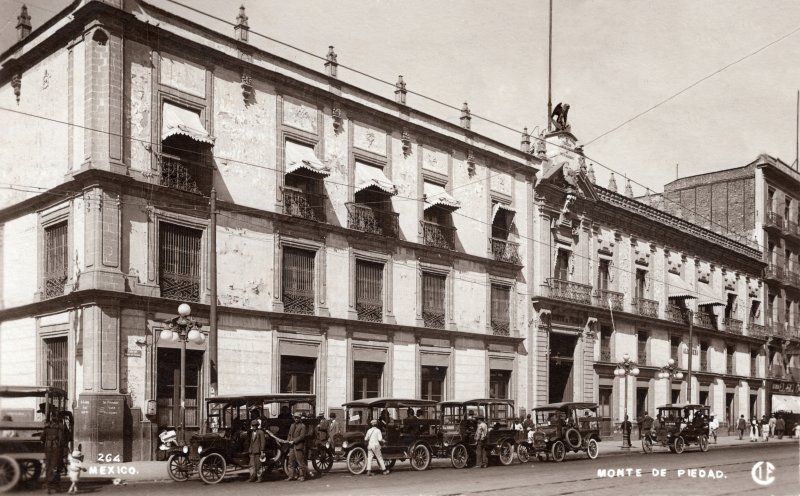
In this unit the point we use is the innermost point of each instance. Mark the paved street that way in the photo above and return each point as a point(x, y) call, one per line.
point(577, 475)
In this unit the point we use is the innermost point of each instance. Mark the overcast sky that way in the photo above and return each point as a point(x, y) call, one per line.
point(611, 60)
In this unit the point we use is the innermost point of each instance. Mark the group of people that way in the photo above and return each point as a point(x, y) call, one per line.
point(764, 428)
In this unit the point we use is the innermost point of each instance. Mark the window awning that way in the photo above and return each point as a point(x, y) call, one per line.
point(177, 120)
point(678, 288)
point(502, 206)
point(786, 403)
point(302, 157)
point(706, 296)
point(436, 196)
point(368, 176)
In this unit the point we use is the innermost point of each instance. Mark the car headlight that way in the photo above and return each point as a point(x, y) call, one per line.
point(199, 449)
point(186, 449)
point(546, 439)
point(344, 445)
point(446, 445)
point(328, 445)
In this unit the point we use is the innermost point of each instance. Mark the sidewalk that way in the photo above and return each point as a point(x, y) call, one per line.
point(157, 471)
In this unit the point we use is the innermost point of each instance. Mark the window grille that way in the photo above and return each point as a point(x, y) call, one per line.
point(433, 300)
point(369, 291)
point(501, 310)
point(298, 281)
point(56, 362)
point(179, 262)
point(56, 259)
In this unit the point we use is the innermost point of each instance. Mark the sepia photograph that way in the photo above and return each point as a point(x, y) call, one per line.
point(400, 247)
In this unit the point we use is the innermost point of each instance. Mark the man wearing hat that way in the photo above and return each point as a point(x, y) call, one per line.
point(258, 443)
point(297, 455)
point(481, 433)
point(374, 438)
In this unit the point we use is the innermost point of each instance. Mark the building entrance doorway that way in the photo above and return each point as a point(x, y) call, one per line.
point(561, 367)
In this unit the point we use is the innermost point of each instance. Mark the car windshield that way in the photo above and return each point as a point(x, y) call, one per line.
point(451, 416)
point(358, 416)
point(550, 417)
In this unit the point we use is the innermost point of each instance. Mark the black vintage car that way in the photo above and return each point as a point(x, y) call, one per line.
point(458, 428)
point(406, 436)
point(21, 445)
point(224, 442)
point(679, 426)
point(565, 426)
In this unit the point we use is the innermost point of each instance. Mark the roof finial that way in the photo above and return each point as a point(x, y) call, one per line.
point(23, 23)
point(465, 116)
point(242, 28)
point(628, 188)
point(330, 62)
point(612, 183)
point(400, 91)
point(590, 174)
point(525, 142)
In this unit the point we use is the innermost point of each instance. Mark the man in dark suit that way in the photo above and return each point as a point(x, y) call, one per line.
point(297, 455)
point(258, 443)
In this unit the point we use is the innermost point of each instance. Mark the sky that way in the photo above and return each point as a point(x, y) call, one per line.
point(611, 61)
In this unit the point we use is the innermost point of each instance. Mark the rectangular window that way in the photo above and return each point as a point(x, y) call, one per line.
point(605, 344)
point(562, 265)
point(604, 396)
point(168, 390)
point(603, 273)
point(433, 381)
point(56, 362)
point(703, 356)
point(501, 309)
point(56, 259)
point(642, 338)
point(730, 306)
point(771, 200)
point(501, 223)
point(433, 300)
point(298, 281)
point(369, 291)
point(498, 383)
point(367, 378)
point(297, 374)
point(729, 360)
point(674, 344)
point(787, 209)
point(179, 262)
point(641, 283)
point(753, 363)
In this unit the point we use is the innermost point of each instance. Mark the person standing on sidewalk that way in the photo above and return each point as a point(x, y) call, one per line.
point(713, 425)
point(297, 455)
point(481, 433)
point(258, 443)
point(780, 426)
point(754, 430)
point(772, 422)
point(742, 426)
point(765, 427)
point(374, 440)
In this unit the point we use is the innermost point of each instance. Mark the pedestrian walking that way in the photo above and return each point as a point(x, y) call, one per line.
point(54, 442)
point(772, 422)
point(297, 453)
point(713, 425)
point(797, 430)
point(374, 440)
point(626, 432)
point(258, 444)
point(765, 427)
point(646, 425)
point(481, 433)
point(527, 424)
point(74, 469)
point(754, 430)
point(742, 426)
point(780, 427)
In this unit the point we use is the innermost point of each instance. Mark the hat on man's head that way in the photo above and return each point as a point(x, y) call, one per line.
point(373, 422)
point(254, 423)
point(481, 417)
point(321, 415)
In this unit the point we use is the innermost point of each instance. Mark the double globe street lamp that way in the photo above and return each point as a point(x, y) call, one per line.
point(670, 371)
point(183, 328)
point(625, 368)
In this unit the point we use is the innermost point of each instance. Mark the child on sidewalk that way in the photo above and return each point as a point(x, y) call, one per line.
point(75, 468)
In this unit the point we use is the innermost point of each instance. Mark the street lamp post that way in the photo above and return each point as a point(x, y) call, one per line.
point(183, 328)
point(670, 371)
point(625, 368)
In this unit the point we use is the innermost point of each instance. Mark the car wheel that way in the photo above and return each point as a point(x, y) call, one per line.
point(703, 442)
point(420, 457)
point(506, 453)
point(522, 453)
point(592, 450)
point(323, 461)
point(179, 467)
point(30, 470)
point(459, 456)
point(212, 468)
point(647, 445)
point(10, 473)
point(573, 438)
point(558, 451)
point(357, 460)
point(679, 445)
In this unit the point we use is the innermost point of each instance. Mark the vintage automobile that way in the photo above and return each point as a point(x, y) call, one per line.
point(223, 444)
point(458, 428)
point(680, 426)
point(21, 446)
point(561, 427)
point(406, 436)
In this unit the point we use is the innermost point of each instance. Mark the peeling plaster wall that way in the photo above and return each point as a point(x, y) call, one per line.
point(135, 250)
point(19, 261)
point(245, 361)
point(133, 369)
point(470, 297)
point(405, 274)
point(138, 90)
point(18, 359)
point(405, 369)
point(470, 365)
point(337, 367)
point(471, 220)
point(244, 263)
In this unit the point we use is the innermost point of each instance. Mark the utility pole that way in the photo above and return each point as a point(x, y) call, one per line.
point(212, 312)
point(691, 352)
point(550, 69)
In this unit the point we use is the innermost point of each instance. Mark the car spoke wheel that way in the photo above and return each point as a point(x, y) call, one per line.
point(10, 473)
point(522, 453)
point(703, 442)
point(459, 456)
point(679, 445)
point(30, 470)
point(558, 451)
point(179, 467)
point(357, 460)
point(647, 444)
point(420, 457)
point(592, 450)
point(212, 468)
point(506, 453)
point(573, 438)
point(323, 461)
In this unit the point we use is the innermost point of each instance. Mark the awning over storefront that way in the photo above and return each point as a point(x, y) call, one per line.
point(302, 157)
point(368, 176)
point(678, 288)
point(782, 402)
point(502, 206)
point(706, 296)
point(435, 195)
point(177, 120)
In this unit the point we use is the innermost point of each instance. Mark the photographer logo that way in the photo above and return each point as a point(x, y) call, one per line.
point(762, 473)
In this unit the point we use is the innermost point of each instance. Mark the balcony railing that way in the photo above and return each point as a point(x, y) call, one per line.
point(678, 314)
point(370, 311)
point(298, 301)
point(645, 307)
point(774, 220)
point(756, 330)
point(792, 229)
point(774, 272)
point(570, 291)
point(792, 278)
point(733, 325)
point(505, 251)
point(605, 355)
point(605, 298)
point(501, 328)
point(775, 328)
point(437, 235)
point(433, 319)
point(793, 332)
point(302, 204)
point(178, 174)
point(372, 220)
point(706, 320)
point(179, 286)
point(54, 283)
